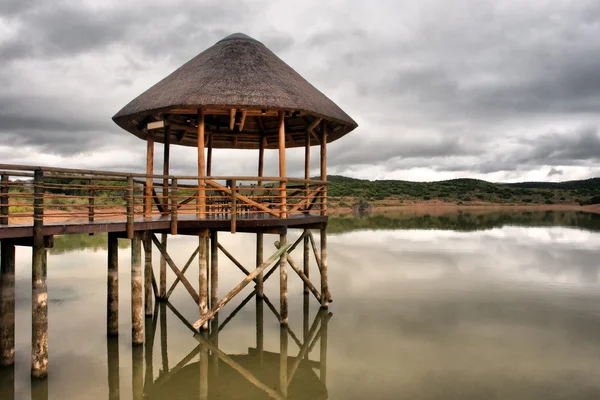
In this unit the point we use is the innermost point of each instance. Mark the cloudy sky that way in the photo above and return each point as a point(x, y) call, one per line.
point(503, 90)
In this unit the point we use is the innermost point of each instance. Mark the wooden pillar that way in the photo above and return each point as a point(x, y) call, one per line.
point(4, 189)
point(259, 261)
point(324, 167)
point(149, 171)
point(261, 159)
point(203, 275)
point(137, 372)
point(209, 156)
point(283, 361)
point(39, 315)
point(148, 295)
point(137, 313)
point(166, 166)
point(214, 268)
point(163, 268)
point(112, 350)
point(163, 337)
point(7, 303)
point(201, 166)
point(283, 289)
point(130, 207)
point(324, 283)
point(112, 286)
point(306, 165)
point(282, 173)
point(306, 258)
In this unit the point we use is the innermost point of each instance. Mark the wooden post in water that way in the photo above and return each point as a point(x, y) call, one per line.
point(112, 286)
point(112, 349)
point(214, 268)
point(283, 361)
point(283, 296)
point(7, 303)
point(149, 171)
point(4, 200)
point(282, 173)
point(203, 275)
point(130, 207)
point(324, 284)
point(39, 314)
point(148, 295)
point(137, 313)
point(259, 261)
point(163, 268)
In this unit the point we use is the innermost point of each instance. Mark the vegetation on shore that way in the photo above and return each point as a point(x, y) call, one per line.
point(346, 192)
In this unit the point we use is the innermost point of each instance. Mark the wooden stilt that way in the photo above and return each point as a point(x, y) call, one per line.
point(137, 372)
point(147, 274)
point(203, 276)
point(325, 297)
point(112, 287)
point(39, 315)
point(137, 313)
point(283, 361)
point(112, 350)
point(283, 296)
point(163, 268)
point(214, 268)
point(163, 338)
point(306, 259)
point(259, 261)
point(7, 303)
point(176, 270)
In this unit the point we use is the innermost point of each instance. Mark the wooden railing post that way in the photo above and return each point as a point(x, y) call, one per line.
point(130, 207)
point(92, 193)
point(4, 203)
point(233, 205)
point(174, 206)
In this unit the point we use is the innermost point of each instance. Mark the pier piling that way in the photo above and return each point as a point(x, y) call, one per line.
point(137, 313)
point(7, 303)
point(112, 286)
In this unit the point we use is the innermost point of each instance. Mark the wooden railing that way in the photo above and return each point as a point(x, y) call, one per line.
point(30, 193)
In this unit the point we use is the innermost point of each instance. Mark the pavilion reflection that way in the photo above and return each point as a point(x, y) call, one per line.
point(208, 372)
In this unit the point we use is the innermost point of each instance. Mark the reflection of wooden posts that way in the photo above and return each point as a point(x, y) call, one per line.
point(282, 173)
point(283, 361)
point(39, 389)
point(201, 167)
point(7, 303)
point(130, 207)
point(203, 276)
point(166, 163)
point(324, 168)
point(4, 200)
point(259, 261)
point(149, 171)
point(283, 295)
point(325, 297)
point(305, 318)
point(148, 295)
point(214, 339)
point(137, 372)
point(306, 259)
point(214, 268)
point(260, 330)
point(149, 330)
point(112, 349)
point(233, 205)
point(163, 337)
point(39, 325)
point(137, 314)
point(323, 350)
point(163, 268)
point(203, 381)
point(174, 205)
point(112, 301)
point(7, 382)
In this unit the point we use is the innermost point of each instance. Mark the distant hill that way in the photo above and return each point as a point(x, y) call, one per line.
point(344, 190)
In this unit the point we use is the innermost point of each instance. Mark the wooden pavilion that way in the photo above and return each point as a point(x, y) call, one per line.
point(235, 95)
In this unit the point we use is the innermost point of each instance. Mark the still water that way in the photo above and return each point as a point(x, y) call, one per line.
point(452, 306)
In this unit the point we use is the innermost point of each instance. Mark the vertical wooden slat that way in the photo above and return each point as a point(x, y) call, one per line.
point(7, 303)
point(166, 166)
point(137, 313)
point(324, 167)
point(112, 286)
point(149, 171)
point(282, 173)
point(233, 206)
point(203, 275)
point(39, 315)
point(201, 166)
point(147, 274)
point(174, 205)
point(283, 287)
point(4, 200)
point(130, 207)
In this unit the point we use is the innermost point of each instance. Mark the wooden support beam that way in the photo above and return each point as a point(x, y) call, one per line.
point(259, 261)
point(7, 303)
point(203, 276)
point(233, 205)
point(185, 268)
point(306, 258)
point(237, 309)
point(240, 286)
point(242, 198)
point(233, 259)
point(232, 119)
point(163, 269)
point(304, 349)
point(301, 274)
point(214, 268)
point(261, 123)
point(261, 159)
point(29, 241)
point(4, 199)
point(243, 119)
point(130, 207)
point(324, 167)
point(209, 156)
point(325, 296)
point(176, 270)
point(174, 206)
point(147, 241)
point(149, 171)
point(137, 314)
point(112, 284)
point(282, 173)
point(166, 167)
point(201, 212)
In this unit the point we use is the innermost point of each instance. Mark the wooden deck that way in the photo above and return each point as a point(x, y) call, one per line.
point(187, 224)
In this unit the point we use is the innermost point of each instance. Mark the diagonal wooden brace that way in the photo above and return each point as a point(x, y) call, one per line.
point(185, 267)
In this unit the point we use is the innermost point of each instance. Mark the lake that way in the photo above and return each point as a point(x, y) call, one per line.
point(465, 305)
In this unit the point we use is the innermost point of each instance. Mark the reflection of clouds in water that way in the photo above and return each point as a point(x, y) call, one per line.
point(559, 256)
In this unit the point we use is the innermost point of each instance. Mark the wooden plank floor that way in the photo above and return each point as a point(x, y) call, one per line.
point(187, 223)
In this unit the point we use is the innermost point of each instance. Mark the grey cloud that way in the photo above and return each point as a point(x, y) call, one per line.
point(555, 172)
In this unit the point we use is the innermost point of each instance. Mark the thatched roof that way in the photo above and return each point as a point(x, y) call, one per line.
point(237, 73)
